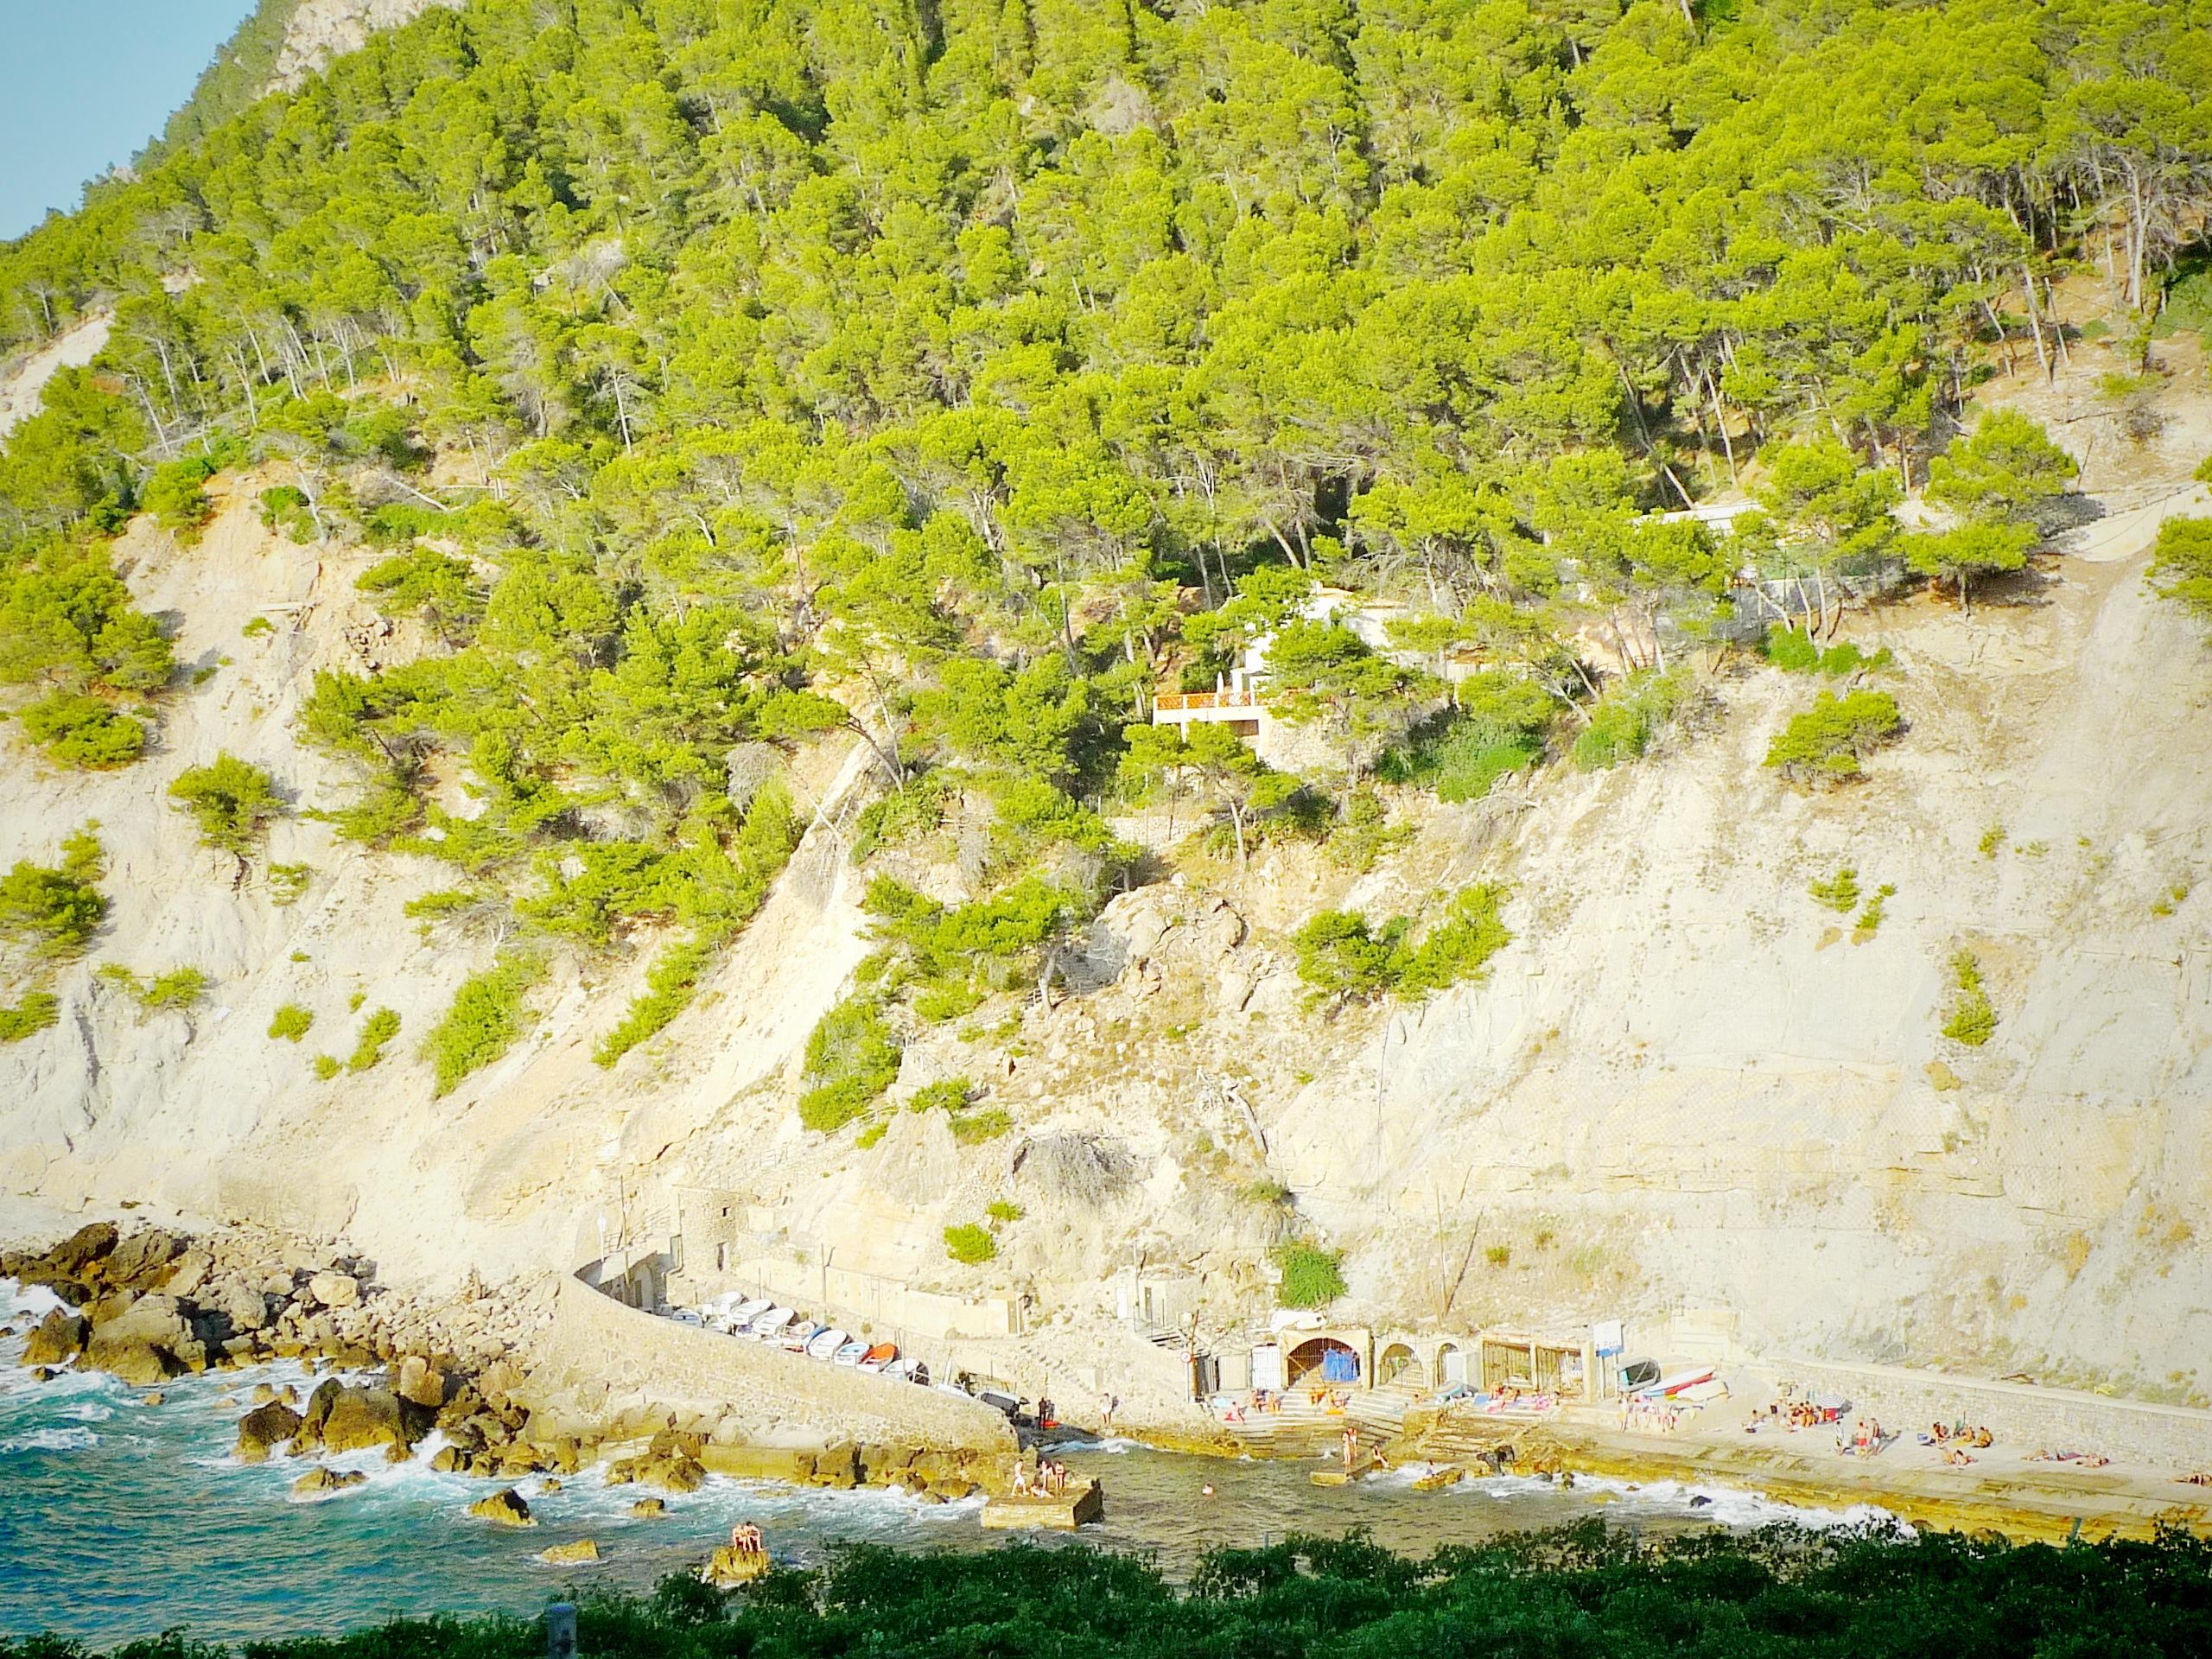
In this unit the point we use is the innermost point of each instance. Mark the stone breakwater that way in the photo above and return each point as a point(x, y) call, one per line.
point(530, 1379)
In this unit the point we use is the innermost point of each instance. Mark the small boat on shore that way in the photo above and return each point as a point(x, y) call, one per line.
point(769, 1327)
point(825, 1341)
point(795, 1338)
point(851, 1354)
point(883, 1358)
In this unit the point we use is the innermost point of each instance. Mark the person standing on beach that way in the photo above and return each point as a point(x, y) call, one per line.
point(1107, 1404)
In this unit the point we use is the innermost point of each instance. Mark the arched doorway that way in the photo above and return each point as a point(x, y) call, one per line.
point(1451, 1364)
point(1398, 1364)
point(1321, 1359)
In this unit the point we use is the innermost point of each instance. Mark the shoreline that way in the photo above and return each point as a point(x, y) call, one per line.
point(472, 1367)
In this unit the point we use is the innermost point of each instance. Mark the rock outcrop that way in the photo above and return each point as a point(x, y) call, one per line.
point(506, 1507)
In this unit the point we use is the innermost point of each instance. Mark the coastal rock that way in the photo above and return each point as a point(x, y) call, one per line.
point(264, 1428)
point(506, 1507)
point(188, 1272)
point(547, 1486)
point(237, 1303)
point(584, 1549)
point(421, 1382)
point(732, 1566)
point(334, 1289)
point(59, 1338)
point(673, 1471)
point(74, 1254)
point(358, 1418)
point(324, 1483)
point(650, 1509)
point(141, 1257)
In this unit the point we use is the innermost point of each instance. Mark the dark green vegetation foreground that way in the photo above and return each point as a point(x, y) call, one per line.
point(702, 373)
point(1573, 1593)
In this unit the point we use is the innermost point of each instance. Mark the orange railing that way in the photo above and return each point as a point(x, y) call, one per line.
point(1171, 702)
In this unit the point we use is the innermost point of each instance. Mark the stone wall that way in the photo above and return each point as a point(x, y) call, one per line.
point(2018, 1414)
point(865, 1303)
point(596, 1345)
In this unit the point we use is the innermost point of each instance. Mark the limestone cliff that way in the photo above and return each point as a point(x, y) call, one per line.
point(1683, 1090)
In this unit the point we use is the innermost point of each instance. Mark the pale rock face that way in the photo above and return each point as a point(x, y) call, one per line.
point(322, 29)
point(334, 1289)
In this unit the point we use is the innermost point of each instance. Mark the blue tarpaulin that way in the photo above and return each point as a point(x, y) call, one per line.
point(1340, 1365)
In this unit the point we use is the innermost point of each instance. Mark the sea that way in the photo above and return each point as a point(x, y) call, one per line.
point(120, 1520)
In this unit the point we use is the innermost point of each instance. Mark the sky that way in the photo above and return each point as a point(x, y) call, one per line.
point(84, 84)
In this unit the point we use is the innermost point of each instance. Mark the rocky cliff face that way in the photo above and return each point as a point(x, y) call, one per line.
point(1685, 1091)
point(322, 29)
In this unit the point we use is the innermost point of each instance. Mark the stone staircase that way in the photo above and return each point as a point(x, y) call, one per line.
point(1300, 1427)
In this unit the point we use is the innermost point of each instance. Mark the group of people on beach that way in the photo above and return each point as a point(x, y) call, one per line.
point(1866, 1439)
point(748, 1542)
point(1650, 1416)
point(1951, 1442)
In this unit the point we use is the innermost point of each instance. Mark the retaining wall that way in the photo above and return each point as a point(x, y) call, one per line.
point(2018, 1414)
point(594, 1339)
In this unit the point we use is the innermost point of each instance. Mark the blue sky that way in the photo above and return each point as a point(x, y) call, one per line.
point(84, 84)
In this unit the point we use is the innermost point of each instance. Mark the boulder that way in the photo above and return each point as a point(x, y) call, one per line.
point(188, 1272)
point(732, 1566)
point(650, 1509)
point(141, 1258)
point(547, 1486)
point(421, 1382)
point(264, 1428)
point(584, 1549)
point(366, 1417)
point(238, 1304)
point(74, 1254)
point(322, 1482)
point(59, 1338)
point(673, 1471)
point(504, 1507)
point(334, 1289)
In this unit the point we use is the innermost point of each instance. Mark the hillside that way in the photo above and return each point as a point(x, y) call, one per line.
point(656, 537)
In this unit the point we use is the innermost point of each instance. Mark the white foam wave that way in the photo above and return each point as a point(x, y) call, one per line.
point(51, 1440)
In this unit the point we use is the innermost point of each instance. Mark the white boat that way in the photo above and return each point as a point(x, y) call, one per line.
point(825, 1341)
point(1677, 1382)
point(769, 1326)
point(687, 1316)
point(800, 1334)
point(851, 1354)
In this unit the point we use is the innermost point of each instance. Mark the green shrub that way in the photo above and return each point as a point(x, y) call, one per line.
point(327, 1067)
point(486, 1016)
point(904, 815)
point(1869, 921)
point(2181, 563)
point(180, 989)
point(1498, 1255)
point(1826, 743)
point(1992, 841)
point(1839, 892)
point(852, 1058)
point(1267, 1192)
point(1972, 1020)
point(54, 912)
point(288, 883)
point(285, 507)
point(1495, 725)
point(1628, 717)
point(874, 1132)
point(946, 1094)
point(38, 1010)
point(1800, 653)
point(970, 1244)
point(1340, 954)
point(82, 731)
point(291, 1023)
point(255, 627)
point(173, 495)
point(972, 1128)
point(1000, 1210)
point(231, 801)
point(376, 1031)
point(670, 984)
point(1311, 1277)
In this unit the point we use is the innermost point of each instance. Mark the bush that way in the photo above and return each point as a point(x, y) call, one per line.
point(969, 1245)
point(1826, 743)
point(1311, 1277)
point(291, 1022)
point(288, 883)
point(973, 1128)
point(1339, 954)
point(38, 1010)
point(231, 801)
point(2181, 563)
point(180, 989)
point(946, 1094)
point(54, 913)
point(327, 1067)
point(1869, 921)
point(285, 507)
point(80, 730)
point(670, 985)
point(1623, 721)
point(1972, 1020)
point(853, 1058)
point(66, 620)
point(1000, 1210)
point(377, 1030)
point(1839, 892)
point(1495, 725)
point(485, 1018)
point(1800, 653)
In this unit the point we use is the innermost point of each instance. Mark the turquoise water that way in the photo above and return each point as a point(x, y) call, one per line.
point(119, 1519)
